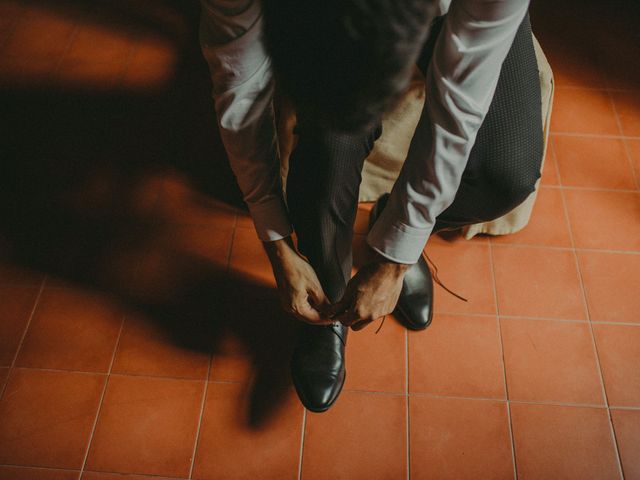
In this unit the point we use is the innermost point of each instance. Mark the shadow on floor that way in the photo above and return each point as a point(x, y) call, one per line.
point(87, 181)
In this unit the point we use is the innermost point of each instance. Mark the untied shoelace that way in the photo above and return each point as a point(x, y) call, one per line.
point(436, 278)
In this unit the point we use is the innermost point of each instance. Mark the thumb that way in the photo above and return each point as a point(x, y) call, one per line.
point(319, 299)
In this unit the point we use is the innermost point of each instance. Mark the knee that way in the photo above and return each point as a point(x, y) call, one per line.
point(512, 188)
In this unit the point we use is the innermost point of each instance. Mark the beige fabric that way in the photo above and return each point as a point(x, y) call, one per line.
point(382, 166)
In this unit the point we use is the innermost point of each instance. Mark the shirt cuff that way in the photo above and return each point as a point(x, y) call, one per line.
point(397, 241)
point(271, 220)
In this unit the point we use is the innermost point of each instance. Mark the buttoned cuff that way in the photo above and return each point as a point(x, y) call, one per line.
point(271, 220)
point(398, 242)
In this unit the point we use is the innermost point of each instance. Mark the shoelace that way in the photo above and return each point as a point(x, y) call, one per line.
point(436, 278)
point(434, 275)
point(337, 334)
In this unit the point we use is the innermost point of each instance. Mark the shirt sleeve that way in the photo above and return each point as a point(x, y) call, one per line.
point(230, 38)
point(460, 84)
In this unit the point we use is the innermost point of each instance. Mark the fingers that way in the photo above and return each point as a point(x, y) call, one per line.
point(319, 300)
point(347, 318)
point(304, 311)
point(360, 325)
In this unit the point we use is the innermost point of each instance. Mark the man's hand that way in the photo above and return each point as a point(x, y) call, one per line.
point(300, 291)
point(372, 293)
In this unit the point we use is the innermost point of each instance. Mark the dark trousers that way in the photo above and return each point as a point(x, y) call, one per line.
point(504, 165)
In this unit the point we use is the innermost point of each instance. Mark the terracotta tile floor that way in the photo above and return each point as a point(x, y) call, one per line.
point(170, 359)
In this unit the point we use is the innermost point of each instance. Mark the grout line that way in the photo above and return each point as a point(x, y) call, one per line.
point(504, 365)
point(56, 71)
point(623, 407)
point(118, 374)
point(141, 476)
point(526, 317)
point(566, 249)
point(625, 143)
point(201, 419)
point(585, 306)
point(374, 392)
point(589, 189)
point(604, 88)
point(548, 403)
point(124, 69)
point(407, 407)
point(104, 391)
point(302, 435)
point(24, 335)
point(594, 135)
point(11, 32)
point(38, 467)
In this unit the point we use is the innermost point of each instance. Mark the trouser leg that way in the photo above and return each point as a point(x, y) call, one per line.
point(322, 197)
point(505, 161)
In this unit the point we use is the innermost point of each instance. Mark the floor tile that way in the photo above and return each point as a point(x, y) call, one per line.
point(19, 276)
point(89, 75)
point(550, 169)
point(4, 373)
point(30, 473)
point(71, 330)
point(376, 361)
point(99, 44)
point(612, 283)
point(459, 439)
point(210, 245)
point(147, 425)
point(17, 304)
point(537, 282)
point(628, 107)
point(457, 356)
point(548, 361)
point(41, 34)
point(11, 12)
point(232, 447)
point(582, 110)
point(574, 67)
point(232, 361)
point(361, 225)
point(249, 261)
point(455, 262)
point(46, 417)
point(633, 147)
point(120, 476)
point(620, 59)
point(619, 353)
point(179, 203)
point(21, 72)
point(626, 424)
point(150, 347)
point(563, 442)
point(593, 162)
point(152, 64)
point(604, 220)
point(547, 226)
point(346, 442)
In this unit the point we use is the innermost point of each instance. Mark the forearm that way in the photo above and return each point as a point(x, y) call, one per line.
point(242, 91)
point(460, 84)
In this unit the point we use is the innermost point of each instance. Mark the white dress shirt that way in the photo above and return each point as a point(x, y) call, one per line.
point(460, 84)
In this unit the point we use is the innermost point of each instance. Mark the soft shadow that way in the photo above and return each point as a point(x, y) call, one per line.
point(117, 190)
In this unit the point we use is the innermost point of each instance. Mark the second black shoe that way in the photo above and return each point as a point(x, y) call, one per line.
point(415, 305)
point(318, 365)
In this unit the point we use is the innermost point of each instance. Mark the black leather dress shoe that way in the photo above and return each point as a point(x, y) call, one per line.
point(317, 365)
point(415, 305)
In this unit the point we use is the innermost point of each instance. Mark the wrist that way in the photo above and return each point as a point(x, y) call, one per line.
point(387, 264)
point(279, 250)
